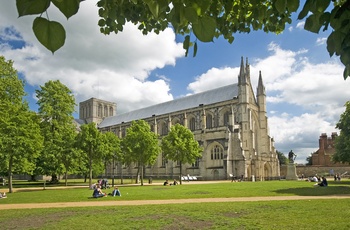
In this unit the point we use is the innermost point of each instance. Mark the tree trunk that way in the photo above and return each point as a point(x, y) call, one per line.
point(121, 175)
point(137, 173)
point(32, 178)
point(10, 175)
point(142, 175)
point(180, 172)
point(90, 172)
point(54, 179)
point(105, 168)
point(113, 172)
point(65, 175)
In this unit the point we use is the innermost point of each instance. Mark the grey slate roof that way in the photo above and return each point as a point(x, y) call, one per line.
point(80, 121)
point(208, 97)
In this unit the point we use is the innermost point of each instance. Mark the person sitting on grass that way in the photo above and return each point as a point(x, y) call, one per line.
point(323, 183)
point(166, 183)
point(115, 192)
point(174, 183)
point(313, 179)
point(3, 195)
point(98, 192)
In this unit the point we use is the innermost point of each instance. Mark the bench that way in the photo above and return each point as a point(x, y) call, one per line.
point(188, 178)
point(232, 177)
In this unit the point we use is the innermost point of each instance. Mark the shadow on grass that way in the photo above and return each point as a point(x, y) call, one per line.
point(333, 189)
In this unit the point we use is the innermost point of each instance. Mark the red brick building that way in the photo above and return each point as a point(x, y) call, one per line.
point(323, 156)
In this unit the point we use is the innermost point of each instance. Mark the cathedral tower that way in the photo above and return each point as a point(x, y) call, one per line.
point(95, 110)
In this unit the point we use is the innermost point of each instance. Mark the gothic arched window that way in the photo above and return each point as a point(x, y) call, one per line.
point(209, 121)
point(192, 124)
point(99, 112)
point(196, 163)
point(226, 118)
point(164, 129)
point(105, 112)
point(217, 153)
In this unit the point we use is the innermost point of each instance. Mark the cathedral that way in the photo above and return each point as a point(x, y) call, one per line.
point(229, 122)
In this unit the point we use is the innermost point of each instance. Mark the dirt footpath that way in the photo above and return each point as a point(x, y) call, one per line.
point(151, 202)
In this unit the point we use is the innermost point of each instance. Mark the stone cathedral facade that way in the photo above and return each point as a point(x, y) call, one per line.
point(229, 122)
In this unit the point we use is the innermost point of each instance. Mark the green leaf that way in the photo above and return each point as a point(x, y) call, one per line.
point(153, 7)
point(50, 34)
point(29, 7)
point(305, 10)
point(204, 4)
point(195, 49)
point(313, 24)
point(338, 40)
point(293, 5)
point(67, 7)
point(191, 14)
point(321, 5)
point(325, 20)
point(345, 56)
point(346, 72)
point(281, 6)
point(186, 44)
point(102, 22)
point(205, 28)
point(331, 44)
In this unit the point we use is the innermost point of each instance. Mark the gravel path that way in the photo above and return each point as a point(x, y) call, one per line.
point(151, 202)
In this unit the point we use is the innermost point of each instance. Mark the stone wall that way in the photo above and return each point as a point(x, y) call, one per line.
point(309, 170)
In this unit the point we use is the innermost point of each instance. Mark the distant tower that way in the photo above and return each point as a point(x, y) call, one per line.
point(95, 110)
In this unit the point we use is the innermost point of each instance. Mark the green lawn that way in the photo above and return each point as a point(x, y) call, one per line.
point(186, 191)
point(303, 214)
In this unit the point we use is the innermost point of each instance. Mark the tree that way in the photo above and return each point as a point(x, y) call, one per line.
point(56, 106)
point(89, 141)
point(281, 157)
point(69, 156)
point(180, 145)
point(342, 142)
point(309, 159)
point(111, 149)
point(140, 145)
point(202, 19)
point(20, 139)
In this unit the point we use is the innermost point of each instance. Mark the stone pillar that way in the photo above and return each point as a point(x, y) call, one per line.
point(291, 172)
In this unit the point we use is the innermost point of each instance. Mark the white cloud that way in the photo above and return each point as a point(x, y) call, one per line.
point(300, 25)
point(299, 133)
point(214, 78)
point(113, 67)
point(321, 41)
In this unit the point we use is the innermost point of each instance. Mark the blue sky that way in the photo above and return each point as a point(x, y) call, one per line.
point(305, 89)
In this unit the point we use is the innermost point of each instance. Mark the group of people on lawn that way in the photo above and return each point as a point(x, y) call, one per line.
point(322, 182)
point(166, 182)
point(98, 192)
point(116, 192)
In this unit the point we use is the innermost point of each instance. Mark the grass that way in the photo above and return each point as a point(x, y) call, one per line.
point(185, 191)
point(326, 214)
point(303, 214)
